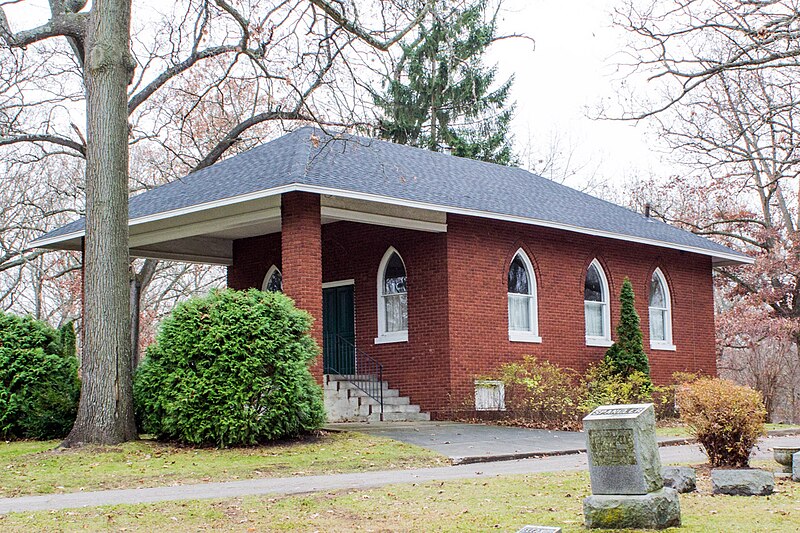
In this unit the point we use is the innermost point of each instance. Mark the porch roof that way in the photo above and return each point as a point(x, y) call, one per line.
point(198, 216)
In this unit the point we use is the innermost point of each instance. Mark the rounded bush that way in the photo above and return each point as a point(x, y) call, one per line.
point(726, 418)
point(39, 386)
point(228, 369)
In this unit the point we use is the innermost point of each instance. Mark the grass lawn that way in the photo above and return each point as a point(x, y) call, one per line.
point(498, 503)
point(680, 430)
point(38, 468)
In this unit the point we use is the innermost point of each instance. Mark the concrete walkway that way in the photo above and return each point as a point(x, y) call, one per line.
point(363, 480)
point(478, 443)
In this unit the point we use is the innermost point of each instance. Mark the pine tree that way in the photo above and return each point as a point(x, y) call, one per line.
point(439, 96)
point(627, 354)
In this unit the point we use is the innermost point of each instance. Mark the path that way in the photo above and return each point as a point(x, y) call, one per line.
point(361, 480)
point(478, 443)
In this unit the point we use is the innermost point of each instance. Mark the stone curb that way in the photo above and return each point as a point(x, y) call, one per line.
point(669, 441)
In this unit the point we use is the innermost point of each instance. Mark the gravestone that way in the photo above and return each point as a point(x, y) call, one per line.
point(796, 467)
point(625, 471)
point(539, 529)
point(623, 450)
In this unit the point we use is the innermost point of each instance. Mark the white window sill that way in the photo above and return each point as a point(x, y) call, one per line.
point(524, 336)
point(599, 341)
point(663, 346)
point(395, 336)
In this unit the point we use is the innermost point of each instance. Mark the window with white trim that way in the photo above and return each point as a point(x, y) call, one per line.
point(597, 313)
point(523, 323)
point(660, 308)
point(273, 281)
point(392, 299)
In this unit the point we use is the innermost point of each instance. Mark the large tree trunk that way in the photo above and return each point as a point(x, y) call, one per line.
point(105, 413)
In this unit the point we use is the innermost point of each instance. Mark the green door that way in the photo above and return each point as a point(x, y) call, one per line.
point(339, 332)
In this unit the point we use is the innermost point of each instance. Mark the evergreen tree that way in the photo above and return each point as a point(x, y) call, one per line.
point(627, 354)
point(439, 96)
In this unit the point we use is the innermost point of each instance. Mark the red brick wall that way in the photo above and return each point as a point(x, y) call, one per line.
point(479, 253)
point(419, 367)
point(301, 259)
point(252, 258)
point(438, 364)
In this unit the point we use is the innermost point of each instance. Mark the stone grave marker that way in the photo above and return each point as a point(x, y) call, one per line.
point(623, 450)
point(625, 471)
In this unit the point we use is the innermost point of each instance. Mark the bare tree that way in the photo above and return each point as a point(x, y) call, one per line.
point(725, 78)
point(284, 50)
point(685, 44)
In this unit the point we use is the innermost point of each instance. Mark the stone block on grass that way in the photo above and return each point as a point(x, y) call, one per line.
point(796, 467)
point(681, 478)
point(657, 510)
point(622, 449)
point(742, 482)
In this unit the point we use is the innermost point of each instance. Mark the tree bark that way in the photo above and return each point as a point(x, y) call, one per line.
point(105, 412)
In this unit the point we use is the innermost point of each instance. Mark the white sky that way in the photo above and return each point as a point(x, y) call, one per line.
point(560, 82)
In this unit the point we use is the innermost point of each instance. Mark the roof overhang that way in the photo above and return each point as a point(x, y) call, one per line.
point(205, 232)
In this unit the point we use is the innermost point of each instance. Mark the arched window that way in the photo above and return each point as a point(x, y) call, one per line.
point(522, 307)
point(392, 299)
point(596, 306)
point(660, 313)
point(273, 281)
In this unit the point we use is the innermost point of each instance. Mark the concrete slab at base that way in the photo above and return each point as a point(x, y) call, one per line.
point(657, 510)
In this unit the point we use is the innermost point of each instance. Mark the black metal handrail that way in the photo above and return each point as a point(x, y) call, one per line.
point(341, 357)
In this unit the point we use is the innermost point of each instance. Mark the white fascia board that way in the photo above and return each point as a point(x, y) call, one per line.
point(382, 220)
point(41, 243)
point(731, 258)
point(719, 257)
point(182, 257)
point(340, 283)
point(206, 226)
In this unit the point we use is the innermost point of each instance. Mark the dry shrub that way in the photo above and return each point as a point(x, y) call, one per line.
point(664, 397)
point(726, 418)
point(542, 394)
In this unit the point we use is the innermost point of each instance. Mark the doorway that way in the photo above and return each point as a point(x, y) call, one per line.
point(338, 329)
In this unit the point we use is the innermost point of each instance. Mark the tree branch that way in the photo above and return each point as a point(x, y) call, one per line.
point(61, 24)
point(363, 34)
point(233, 135)
point(53, 139)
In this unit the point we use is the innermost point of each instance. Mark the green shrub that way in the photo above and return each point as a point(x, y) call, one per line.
point(605, 387)
point(726, 418)
point(541, 394)
point(230, 368)
point(39, 386)
point(627, 356)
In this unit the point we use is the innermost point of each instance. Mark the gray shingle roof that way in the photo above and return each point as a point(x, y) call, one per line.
point(356, 165)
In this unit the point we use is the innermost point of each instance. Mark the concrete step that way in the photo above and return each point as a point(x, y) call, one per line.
point(346, 402)
point(399, 417)
point(388, 394)
point(371, 408)
point(354, 392)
